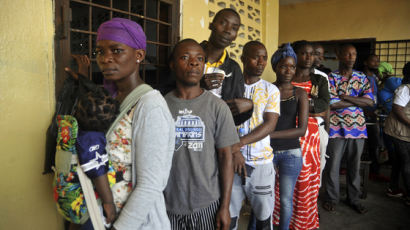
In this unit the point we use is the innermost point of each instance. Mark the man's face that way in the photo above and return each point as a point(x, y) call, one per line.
point(305, 56)
point(372, 62)
point(224, 29)
point(318, 56)
point(254, 61)
point(188, 63)
point(347, 56)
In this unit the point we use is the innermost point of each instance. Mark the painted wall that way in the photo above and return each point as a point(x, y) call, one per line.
point(26, 106)
point(259, 19)
point(345, 19)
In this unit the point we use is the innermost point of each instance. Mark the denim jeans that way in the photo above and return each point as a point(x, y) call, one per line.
point(259, 189)
point(289, 163)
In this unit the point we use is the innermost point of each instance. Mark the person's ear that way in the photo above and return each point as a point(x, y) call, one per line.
point(139, 55)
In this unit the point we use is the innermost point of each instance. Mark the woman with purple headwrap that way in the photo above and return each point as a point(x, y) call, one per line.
point(140, 141)
point(285, 138)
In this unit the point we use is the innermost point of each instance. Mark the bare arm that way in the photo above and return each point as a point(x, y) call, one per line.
point(401, 116)
point(104, 191)
point(269, 124)
point(358, 101)
point(225, 164)
point(303, 116)
point(341, 105)
point(239, 105)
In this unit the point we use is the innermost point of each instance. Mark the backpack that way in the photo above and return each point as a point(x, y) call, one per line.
point(386, 95)
point(65, 105)
point(68, 192)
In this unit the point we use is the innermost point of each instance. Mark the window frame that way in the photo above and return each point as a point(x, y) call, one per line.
point(63, 30)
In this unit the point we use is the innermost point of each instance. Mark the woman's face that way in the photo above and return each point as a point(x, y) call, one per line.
point(117, 60)
point(305, 56)
point(285, 69)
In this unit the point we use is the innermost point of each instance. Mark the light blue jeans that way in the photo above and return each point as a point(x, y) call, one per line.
point(289, 163)
point(259, 189)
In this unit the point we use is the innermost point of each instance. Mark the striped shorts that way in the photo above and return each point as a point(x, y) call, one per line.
point(203, 219)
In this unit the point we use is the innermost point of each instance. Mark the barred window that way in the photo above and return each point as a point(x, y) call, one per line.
point(396, 52)
point(77, 22)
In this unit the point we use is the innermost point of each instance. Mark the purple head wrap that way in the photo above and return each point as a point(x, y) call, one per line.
point(283, 52)
point(124, 31)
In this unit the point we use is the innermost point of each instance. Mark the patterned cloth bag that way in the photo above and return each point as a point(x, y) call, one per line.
point(68, 193)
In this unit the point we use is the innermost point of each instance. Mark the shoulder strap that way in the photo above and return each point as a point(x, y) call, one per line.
point(131, 100)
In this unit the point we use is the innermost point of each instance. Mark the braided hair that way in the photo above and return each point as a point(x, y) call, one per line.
point(96, 110)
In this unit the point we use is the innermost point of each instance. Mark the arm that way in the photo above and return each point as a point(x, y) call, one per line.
point(341, 104)
point(365, 99)
point(268, 126)
point(322, 99)
point(358, 101)
point(153, 151)
point(401, 116)
point(239, 105)
point(103, 189)
point(223, 218)
point(303, 116)
point(335, 101)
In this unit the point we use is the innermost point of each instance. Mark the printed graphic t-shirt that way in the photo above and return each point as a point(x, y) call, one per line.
point(266, 98)
point(203, 124)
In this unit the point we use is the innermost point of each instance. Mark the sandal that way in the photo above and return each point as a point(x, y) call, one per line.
point(329, 206)
point(359, 208)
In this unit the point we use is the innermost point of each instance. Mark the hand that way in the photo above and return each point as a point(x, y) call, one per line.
point(83, 63)
point(239, 164)
point(237, 147)
point(239, 105)
point(223, 219)
point(213, 80)
point(110, 212)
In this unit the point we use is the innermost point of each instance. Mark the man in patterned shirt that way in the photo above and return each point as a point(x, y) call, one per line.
point(350, 92)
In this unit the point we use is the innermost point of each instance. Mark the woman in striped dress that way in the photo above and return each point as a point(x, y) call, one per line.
point(305, 211)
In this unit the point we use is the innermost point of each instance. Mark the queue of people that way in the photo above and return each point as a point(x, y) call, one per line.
point(189, 159)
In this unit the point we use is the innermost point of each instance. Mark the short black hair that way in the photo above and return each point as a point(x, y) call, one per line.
point(172, 55)
point(249, 44)
point(342, 46)
point(96, 110)
point(297, 45)
point(226, 10)
point(317, 44)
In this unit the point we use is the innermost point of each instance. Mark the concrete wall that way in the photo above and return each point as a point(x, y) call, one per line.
point(345, 19)
point(262, 24)
point(26, 106)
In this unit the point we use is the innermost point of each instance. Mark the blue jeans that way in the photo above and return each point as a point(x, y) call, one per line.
point(289, 163)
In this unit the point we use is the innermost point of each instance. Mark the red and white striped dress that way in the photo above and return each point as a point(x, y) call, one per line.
point(305, 211)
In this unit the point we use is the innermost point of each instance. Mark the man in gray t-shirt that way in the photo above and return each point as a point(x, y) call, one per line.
point(199, 187)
